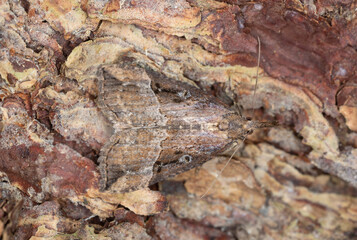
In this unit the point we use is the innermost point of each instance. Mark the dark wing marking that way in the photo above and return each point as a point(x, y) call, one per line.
point(126, 98)
point(127, 162)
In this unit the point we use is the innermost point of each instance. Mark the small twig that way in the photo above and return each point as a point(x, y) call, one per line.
point(90, 217)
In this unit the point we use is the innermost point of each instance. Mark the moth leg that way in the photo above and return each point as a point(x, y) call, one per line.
point(224, 167)
point(230, 92)
point(238, 109)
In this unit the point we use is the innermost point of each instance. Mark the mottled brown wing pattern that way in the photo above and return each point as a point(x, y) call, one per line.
point(192, 126)
point(127, 99)
point(129, 160)
point(162, 127)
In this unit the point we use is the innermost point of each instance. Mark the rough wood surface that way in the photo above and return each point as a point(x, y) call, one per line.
point(293, 181)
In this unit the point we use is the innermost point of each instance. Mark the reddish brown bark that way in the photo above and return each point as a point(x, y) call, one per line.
point(293, 181)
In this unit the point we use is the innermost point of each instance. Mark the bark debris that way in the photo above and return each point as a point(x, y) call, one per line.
point(294, 181)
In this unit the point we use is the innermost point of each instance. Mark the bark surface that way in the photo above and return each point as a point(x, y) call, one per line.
point(297, 180)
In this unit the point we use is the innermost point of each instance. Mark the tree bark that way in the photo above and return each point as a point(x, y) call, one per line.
point(296, 180)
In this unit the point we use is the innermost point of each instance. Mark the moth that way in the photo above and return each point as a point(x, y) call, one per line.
point(162, 127)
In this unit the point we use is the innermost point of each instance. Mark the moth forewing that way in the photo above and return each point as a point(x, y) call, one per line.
point(162, 127)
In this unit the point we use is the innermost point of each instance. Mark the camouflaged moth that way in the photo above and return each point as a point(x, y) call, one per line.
point(162, 127)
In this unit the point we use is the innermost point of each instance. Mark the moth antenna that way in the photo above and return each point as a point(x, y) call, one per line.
point(220, 172)
point(265, 124)
point(256, 77)
point(257, 124)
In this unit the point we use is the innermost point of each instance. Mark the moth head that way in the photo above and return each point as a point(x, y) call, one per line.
point(235, 126)
point(239, 127)
point(250, 125)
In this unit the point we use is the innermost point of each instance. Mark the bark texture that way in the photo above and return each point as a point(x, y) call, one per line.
point(297, 180)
